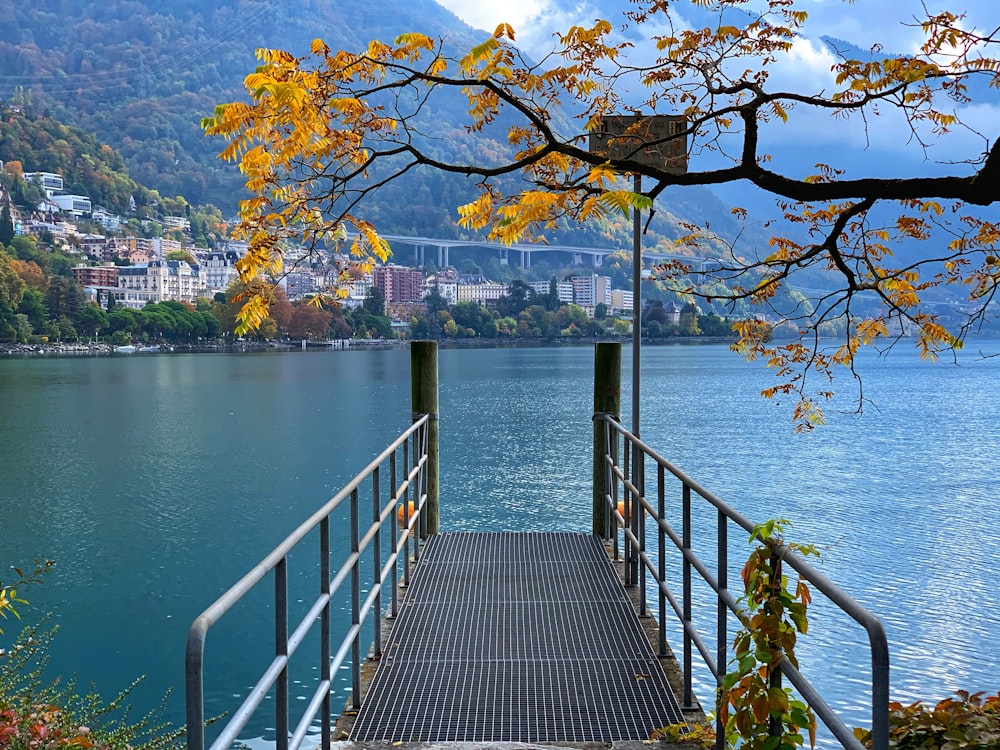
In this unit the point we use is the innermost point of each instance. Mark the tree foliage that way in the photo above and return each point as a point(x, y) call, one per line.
point(322, 134)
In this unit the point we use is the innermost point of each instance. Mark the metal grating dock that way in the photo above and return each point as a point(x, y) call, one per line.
point(508, 637)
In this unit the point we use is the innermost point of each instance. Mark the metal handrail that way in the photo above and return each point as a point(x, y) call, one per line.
point(413, 443)
point(638, 562)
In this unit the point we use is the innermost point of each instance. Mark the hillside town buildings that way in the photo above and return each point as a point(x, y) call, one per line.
point(135, 271)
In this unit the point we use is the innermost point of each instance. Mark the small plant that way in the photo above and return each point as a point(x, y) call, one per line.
point(758, 713)
point(8, 591)
point(699, 735)
point(968, 722)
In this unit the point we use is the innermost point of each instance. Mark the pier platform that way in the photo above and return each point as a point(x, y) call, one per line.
point(515, 637)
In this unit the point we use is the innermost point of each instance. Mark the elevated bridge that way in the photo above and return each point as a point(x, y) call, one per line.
point(521, 253)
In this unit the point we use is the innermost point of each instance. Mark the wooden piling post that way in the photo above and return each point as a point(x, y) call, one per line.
point(424, 398)
point(607, 400)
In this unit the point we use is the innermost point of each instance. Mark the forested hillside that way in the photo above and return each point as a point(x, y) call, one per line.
point(142, 74)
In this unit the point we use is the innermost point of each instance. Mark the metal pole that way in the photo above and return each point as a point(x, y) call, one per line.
point(638, 457)
point(636, 313)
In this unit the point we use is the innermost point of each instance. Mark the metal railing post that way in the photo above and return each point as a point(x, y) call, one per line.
point(406, 516)
point(281, 649)
point(377, 560)
point(326, 725)
point(394, 534)
point(355, 603)
point(686, 588)
point(721, 646)
point(194, 685)
point(661, 551)
point(638, 528)
point(607, 401)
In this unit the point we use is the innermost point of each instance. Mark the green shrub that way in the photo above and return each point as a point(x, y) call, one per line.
point(37, 714)
point(969, 722)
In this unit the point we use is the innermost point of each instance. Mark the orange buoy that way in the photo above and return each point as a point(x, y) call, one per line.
point(622, 513)
point(404, 514)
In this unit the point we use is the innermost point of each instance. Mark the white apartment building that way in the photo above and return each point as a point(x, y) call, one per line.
point(176, 222)
point(564, 289)
point(76, 205)
point(591, 291)
point(160, 280)
point(485, 293)
point(219, 268)
point(111, 222)
point(447, 288)
point(51, 183)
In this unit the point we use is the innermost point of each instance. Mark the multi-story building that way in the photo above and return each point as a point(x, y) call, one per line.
point(299, 284)
point(51, 183)
point(111, 222)
point(102, 276)
point(399, 284)
point(564, 289)
point(358, 291)
point(621, 299)
point(161, 280)
point(94, 245)
point(133, 249)
point(591, 291)
point(75, 205)
point(482, 291)
point(219, 268)
point(177, 222)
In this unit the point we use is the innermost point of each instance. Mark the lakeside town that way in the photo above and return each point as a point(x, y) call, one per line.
point(118, 270)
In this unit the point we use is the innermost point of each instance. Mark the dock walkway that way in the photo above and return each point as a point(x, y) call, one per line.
point(516, 637)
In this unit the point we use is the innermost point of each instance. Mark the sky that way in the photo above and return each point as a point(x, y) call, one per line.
point(864, 22)
point(892, 24)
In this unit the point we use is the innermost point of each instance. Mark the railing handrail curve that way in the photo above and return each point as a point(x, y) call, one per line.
point(413, 481)
point(873, 627)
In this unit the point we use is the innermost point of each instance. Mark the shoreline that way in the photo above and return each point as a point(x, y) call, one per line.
point(222, 347)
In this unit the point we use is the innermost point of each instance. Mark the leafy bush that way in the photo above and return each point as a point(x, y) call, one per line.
point(39, 715)
point(969, 722)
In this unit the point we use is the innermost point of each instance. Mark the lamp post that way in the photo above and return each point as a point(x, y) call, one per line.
point(659, 142)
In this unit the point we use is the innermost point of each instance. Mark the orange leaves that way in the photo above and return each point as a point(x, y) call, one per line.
point(504, 30)
point(477, 214)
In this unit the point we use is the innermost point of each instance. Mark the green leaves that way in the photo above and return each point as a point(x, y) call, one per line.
point(8, 592)
point(967, 722)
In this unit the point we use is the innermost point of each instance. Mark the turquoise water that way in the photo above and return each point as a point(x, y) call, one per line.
point(156, 482)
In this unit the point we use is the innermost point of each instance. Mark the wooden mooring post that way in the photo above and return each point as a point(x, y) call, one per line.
point(424, 400)
point(607, 400)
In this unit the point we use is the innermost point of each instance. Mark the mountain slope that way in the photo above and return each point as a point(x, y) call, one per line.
point(141, 74)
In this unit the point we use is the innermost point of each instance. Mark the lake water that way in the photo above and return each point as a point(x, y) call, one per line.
point(157, 481)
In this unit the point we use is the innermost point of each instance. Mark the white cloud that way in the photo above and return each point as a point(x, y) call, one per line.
point(892, 26)
point(488, 15)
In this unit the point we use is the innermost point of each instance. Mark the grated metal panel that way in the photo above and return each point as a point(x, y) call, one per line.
point(506, 637)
